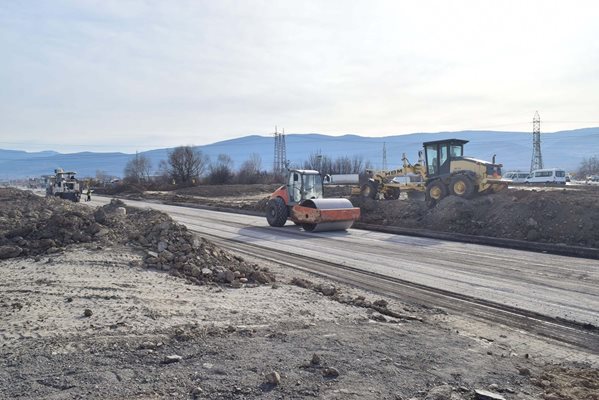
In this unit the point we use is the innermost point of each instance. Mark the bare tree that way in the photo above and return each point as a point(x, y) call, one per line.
point(588, 166)
point(358, 164)
point(249, 172)
point(186, 165)
point(163, 176)
point(319, 162)
point(137, 169)
point(341, 165)
point(314, 161)
point(221, 171)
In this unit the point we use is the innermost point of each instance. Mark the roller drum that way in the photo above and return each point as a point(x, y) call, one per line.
point(327, 204)
point(329, 225)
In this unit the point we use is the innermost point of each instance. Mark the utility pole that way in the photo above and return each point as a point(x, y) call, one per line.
point(280, 158)
point(384, 156)
point(537, 158)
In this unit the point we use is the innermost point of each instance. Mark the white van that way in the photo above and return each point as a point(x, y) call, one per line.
point(516, 176)
point(550, 175)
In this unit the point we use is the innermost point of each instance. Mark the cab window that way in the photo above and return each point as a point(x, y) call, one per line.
point(295, 185)
point(431, 159)
point(456, 151)
point(312, 186)
point(443, 155)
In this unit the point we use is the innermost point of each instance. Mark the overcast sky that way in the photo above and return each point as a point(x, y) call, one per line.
point(135, 75)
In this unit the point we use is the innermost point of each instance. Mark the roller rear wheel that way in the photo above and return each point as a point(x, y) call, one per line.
point(276, 212)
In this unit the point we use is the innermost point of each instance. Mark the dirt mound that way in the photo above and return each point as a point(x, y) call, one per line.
point(407, 213)
point(337, 190)
point(552, 216)
point(171, 247)
point(32, 226)
point(568, 383)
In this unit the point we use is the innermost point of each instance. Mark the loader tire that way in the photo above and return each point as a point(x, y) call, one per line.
point(392, 193)
point(276, 212)
point(461, 186)
point(369, 190)
point(435, 191)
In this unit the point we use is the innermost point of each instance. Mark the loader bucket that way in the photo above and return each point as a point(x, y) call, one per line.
point(318, 215)
point(496, 185)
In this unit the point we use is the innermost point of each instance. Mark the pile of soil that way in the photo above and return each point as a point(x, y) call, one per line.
point(574, 383)
point(171, 247)
point(31, 225)
point(34, 226)
point(552, 216)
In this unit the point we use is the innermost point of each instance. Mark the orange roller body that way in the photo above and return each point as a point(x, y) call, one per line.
point(317, 215)
point(302, 202)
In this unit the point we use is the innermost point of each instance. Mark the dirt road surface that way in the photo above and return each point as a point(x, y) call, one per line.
point(86, 320)
point(557, 286)
point(562, 215)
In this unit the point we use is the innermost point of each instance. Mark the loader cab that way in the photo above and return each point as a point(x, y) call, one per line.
point(440, 153)
point(304, 184)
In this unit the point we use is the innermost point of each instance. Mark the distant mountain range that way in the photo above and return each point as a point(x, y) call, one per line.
point(564, 149)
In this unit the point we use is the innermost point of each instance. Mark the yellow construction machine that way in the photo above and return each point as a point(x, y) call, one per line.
point(63, 184)
point(442, 170)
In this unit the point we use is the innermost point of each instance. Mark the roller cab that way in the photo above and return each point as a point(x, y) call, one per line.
point(301, 201)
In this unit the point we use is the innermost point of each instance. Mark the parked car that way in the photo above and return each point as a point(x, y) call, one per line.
point(593, 178)
point(516, 176)
point(549, 175)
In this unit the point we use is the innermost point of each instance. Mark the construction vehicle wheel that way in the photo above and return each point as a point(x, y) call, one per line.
point(276, 212)
point(461, 186)
point(435, 191)
point(369, 190)
point(392, 194)
point(414, 195)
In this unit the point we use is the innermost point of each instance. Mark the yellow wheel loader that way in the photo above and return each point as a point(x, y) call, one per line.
point(442, 170)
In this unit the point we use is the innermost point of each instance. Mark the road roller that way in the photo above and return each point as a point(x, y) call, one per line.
point(301, 201)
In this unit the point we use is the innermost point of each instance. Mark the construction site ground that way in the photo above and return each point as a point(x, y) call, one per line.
point(93, 305)
point(567, 215)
